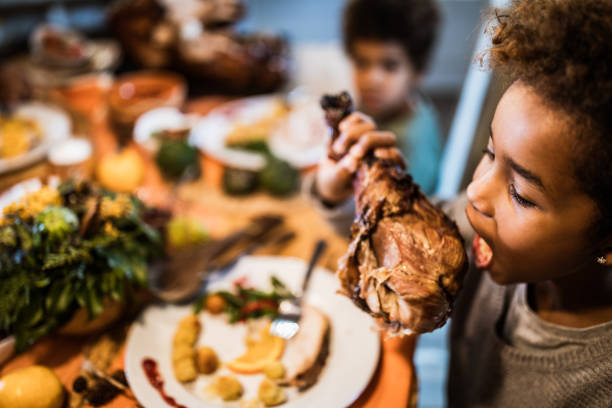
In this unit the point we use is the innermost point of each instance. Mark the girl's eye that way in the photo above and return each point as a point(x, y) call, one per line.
point(489, 153)
point(520, 200)
point(390, 65)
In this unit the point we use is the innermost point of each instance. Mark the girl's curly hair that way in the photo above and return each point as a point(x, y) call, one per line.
point(562, 49)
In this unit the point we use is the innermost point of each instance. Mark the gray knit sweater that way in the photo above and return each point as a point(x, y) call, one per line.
point(534, 364)
point(519, 362)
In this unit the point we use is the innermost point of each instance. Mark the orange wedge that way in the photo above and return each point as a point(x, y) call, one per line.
point(259, 352)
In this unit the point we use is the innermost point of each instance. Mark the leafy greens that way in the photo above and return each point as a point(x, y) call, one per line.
point(91, 245)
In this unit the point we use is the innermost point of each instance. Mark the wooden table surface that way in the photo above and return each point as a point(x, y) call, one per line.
point(393, 384)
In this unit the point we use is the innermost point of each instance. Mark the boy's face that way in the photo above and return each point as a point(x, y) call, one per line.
point(383, 77)
point(524, 200)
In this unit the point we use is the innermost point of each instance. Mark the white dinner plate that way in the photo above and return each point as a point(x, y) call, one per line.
point(55, 125)
point(353, 356)
point(159, 119)
point(299, 137)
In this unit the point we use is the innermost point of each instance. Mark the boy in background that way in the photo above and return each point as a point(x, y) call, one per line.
point(389, 43)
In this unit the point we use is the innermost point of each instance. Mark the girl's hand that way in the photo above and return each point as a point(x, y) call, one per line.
point(358, 136)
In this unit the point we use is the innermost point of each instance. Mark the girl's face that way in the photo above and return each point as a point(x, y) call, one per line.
point(523, 199)
point(383, 77)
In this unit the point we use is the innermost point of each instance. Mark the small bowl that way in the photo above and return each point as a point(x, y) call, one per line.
point(80, 325)
point(72, 158)
point(134, 94)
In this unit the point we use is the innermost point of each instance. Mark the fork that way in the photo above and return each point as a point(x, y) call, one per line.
point(287, 323)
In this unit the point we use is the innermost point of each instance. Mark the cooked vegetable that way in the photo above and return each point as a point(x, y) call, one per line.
point(57, 222)
point(228, 388)
point(274, 370)
point(270, 394)
point(278, 177)
point(248, 303)
point(239, 181)
point(176, 157)
point(50, 266)
point(206, 360)
point(215, 304)
point(183, 350)
point(17, 136)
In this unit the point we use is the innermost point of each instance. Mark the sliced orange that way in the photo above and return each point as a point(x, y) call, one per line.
point(259, 352)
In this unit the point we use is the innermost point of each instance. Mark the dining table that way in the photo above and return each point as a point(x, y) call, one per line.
point(393, 383)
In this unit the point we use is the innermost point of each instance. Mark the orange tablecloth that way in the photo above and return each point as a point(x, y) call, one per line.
point(390, 386)
point(394, 379)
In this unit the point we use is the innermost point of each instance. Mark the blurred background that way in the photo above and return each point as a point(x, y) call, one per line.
point(463, 94)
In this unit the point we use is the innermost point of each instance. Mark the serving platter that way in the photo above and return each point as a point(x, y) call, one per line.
point(353, 356)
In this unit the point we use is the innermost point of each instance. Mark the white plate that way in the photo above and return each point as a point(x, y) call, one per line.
point(354, 345)
point(55, 126)
point(299, 138)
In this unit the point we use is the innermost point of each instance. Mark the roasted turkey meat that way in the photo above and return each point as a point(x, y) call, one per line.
point(406, 260)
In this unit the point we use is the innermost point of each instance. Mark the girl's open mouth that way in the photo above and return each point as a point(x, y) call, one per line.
point(483, 254)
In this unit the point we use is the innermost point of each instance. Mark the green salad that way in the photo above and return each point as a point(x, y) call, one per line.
point(245, 302)
point(67, 248)
point(277, 177)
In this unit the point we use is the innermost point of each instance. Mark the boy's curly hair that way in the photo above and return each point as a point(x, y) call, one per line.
point(562, 49)
point(413, 24)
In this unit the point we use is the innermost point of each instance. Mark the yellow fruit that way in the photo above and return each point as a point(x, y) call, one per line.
point(259, 353)
point(31, 387)
point(121, 172)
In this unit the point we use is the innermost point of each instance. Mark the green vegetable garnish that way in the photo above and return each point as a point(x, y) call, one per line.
point(248, 303)
point(279, 177)
point(176, 157)
point(49, 268)
point(57, 222)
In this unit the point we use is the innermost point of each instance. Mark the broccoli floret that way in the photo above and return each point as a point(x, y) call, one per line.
point(279, 177)
point(57, 222)
point(176, 157)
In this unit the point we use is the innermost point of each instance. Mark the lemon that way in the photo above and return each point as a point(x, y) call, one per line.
point(259, 353)
point(121, 172)
point(31, 387)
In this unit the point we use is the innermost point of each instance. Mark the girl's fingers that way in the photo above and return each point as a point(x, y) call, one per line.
point(347, 166)
point(372, 140)
point(351, 135)
point(353, 119)
point(391, 154)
